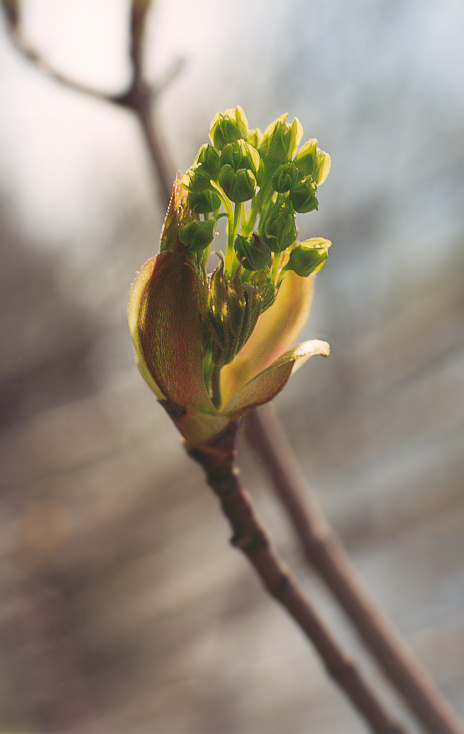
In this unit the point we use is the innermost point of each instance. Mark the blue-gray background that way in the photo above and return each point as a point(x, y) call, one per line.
point(165, 629)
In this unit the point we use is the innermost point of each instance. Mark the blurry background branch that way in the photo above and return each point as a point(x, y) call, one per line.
point(217, 459)
point(140, 95)
point(325, 553)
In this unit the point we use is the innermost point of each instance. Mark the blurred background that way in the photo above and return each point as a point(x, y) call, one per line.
point(123, 608)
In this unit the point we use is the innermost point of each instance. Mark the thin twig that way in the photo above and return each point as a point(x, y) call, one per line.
point(249, 536)
point(139, 97)
point(36, 58)
point(325, 553)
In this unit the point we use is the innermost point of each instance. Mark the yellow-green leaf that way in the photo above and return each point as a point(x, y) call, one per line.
point(275, 332)
point(267, 384)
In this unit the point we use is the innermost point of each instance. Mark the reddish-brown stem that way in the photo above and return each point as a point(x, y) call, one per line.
point(249, 536)
point(327, 556)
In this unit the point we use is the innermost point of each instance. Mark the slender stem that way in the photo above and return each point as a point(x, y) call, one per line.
point(138, 97)
point(216, 387)
point(255, 208)
point(326, 555)
point(249, 536)
point(276, 260)
point(231, 261)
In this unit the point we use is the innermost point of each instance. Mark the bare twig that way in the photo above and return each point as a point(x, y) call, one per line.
point(249, 536)
point(139, 97)
point(327, 556)
point(12, 14)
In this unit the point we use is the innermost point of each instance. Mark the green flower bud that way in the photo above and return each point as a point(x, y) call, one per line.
point(208, 157)
point(240, 155)
point(309, 256)
point(196, 236)
point(285, 177)
point(203, 202)
point(306, 158)
point(237, 185)
point(278, 228)
point(255, 137)
point(303, 196)
point(229, 126)
point(323, 167)
point(196, 179)
point(252, 252)
point(280, 141)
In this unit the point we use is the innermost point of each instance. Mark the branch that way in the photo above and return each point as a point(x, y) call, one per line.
point(217, 459)
point(139, 96)
point(12, 14)
point(326, 555)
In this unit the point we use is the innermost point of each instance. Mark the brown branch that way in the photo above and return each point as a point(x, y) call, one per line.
point(36, 58)
point(249, 536)
point(139, 97)
point(327, 556)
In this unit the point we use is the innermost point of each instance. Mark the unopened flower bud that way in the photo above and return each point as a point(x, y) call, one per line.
point(323, 167)
point(285, 177)
point(203, 202)
point(309, 256)
point(278, 228)
point(197, 178)
point(252, 252)
point(197, 236)
point(280, 140)
point(229, 126)
point(306, 158)
point(303, 196)
point(208, 157)
point(255, 137)
point(240, 155)
point(237, 185)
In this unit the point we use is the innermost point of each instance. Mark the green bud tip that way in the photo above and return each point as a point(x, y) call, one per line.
point(208, 157)
point(203, 202)
point(252, 252)
point(238, 185)
point(229, 126)
point(285, 177)
point(240, 155)
point(309, 256)
point(278, 228)
point(280, 141)
point(303, 196)
point(196, 236)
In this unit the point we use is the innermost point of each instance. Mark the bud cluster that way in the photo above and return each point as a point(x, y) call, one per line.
point(277, 180)
point(214, 345)
point(258, 183)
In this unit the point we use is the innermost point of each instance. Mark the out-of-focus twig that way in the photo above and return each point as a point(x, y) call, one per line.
point(248, 535)
point(12, 11)
point(139, 96)
point(325, 553)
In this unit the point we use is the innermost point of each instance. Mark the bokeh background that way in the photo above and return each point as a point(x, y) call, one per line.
point(123, 607)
